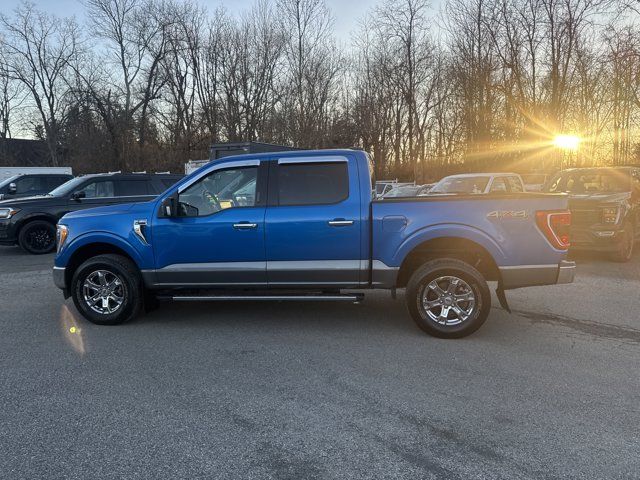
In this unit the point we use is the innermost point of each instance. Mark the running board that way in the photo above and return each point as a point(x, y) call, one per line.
point(353, 297)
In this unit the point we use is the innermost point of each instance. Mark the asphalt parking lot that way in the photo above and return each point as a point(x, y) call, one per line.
point(297, 391)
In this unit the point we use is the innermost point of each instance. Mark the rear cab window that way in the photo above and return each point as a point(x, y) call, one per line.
point(312, 182)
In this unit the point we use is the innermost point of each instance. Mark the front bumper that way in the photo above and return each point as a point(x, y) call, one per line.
point(59, 277)
point(535, 275)
point(7, 236)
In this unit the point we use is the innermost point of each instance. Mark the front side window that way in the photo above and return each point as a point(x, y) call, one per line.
point(312, 183)
point(99, 189)
point(220, 190)
point(26, 185)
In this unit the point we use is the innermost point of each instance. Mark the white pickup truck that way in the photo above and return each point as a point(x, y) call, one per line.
point(479, 183)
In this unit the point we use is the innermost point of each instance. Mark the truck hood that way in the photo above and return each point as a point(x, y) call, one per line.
point(26, 201)
point(595, 199)
point(116, 209)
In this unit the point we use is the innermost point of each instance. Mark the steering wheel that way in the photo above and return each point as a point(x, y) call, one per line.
point(211, 199)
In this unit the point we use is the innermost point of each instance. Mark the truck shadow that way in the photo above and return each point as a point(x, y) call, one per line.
point(378, 312)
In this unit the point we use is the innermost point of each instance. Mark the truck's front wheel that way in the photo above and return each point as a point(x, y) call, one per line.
point(107, 290)
point(448, 298)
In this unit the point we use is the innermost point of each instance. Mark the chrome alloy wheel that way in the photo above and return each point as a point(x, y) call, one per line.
point(448, 300)
point(103, 292)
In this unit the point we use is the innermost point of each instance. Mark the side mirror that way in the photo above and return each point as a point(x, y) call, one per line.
point(13, 189)
point(77, 196)
point(168, 208)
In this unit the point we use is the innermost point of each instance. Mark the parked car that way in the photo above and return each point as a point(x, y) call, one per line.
point(31, 184)
point(303, 226)
point(408, 191)
point(479, 183)
point(382, 187)
point(535, 182)
point(605, 207)
point(6, 172)
point(31, 222)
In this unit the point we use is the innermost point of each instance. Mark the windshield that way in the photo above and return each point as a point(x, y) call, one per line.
point(68, 187)
point(592, 181)
point(461, 185)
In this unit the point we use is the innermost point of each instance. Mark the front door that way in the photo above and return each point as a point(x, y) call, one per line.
point(218, 237)
point(313, 222)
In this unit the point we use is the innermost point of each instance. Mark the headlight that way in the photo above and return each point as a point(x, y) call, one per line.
point(8, 212)
point(610, 215)
point(62, 232)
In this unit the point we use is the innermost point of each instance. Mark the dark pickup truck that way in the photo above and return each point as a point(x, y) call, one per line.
point(31, 222)
point(605, 208)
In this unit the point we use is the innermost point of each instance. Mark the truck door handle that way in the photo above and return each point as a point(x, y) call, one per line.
point(245, 226)
point(338, 222)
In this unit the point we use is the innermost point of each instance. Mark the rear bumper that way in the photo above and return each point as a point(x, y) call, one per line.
point(535, 275)
point(595, 240)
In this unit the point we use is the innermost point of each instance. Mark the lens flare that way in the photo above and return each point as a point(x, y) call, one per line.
point(567, 142)
point(72, 332)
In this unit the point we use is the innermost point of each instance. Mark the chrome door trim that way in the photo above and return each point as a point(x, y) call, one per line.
point(319, 159)
point(214, 267)
point(139, 230)
point(340, 223)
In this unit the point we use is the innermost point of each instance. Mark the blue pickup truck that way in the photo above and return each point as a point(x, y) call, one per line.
point(305, 226)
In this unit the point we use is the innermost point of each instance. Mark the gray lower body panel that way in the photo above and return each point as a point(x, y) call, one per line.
point(535, 275)
point(59, 277)
point(278, 274)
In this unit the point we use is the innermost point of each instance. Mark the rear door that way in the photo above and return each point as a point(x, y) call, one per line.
point(313, 222)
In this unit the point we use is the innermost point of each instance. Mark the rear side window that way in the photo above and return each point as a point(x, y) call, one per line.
point(312, 183)
point(168, 182)
point(54, 182)
point(99, 189)
point(132, 188)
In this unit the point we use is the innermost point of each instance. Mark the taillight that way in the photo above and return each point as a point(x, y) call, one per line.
point(555, 225)
point(610, 215)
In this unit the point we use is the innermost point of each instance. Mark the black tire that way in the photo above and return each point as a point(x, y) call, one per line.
point(128, 287)
point(470, 283)
point(624, 248)
point(38, 237)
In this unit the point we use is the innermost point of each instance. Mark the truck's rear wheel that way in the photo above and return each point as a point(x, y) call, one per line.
point(448, 298)
point(38, 237)
point(624, 249)
point(108, 290)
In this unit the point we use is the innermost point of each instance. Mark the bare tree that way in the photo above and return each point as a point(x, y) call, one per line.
point(39, 48)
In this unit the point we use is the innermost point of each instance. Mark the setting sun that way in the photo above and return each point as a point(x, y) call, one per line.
point(567, 142)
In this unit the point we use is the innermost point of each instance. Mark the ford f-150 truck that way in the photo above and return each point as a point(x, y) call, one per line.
point(306, 226)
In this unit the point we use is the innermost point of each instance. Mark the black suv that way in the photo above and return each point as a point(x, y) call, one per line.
point(30, 184)
point(605, 208)
point(31, 222)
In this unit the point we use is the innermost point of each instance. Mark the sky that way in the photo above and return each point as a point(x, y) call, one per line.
point(346, 13)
